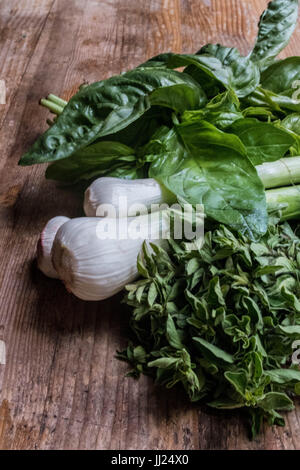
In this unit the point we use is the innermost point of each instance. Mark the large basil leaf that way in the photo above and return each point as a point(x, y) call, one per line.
point(110, 157)
point(223, 64)
point(178, 97)
point(95, 160)
point(106, 107)
point(292, 124)
point(280, 87)
point(283, 77)
point(203, 165)
point(221, 111)
point(210, 84)
point(244, 75)
point(276, 26)
point(264, 142)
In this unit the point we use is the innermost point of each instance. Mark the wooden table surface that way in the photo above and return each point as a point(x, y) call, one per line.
point(61, 387)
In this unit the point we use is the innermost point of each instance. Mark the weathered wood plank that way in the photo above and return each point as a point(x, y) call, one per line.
point(61, 386)
point(21, 24)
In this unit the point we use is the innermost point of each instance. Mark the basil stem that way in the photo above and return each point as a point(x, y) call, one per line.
point(53, 107)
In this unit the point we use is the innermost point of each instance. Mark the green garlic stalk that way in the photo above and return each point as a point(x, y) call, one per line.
point(287, 199)
point(283, 172)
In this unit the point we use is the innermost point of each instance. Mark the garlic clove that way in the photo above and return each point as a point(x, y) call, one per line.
point(45, 243)
point(116, 191)
point(93, 268)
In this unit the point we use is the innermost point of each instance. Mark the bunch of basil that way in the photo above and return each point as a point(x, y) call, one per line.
point(200, 132)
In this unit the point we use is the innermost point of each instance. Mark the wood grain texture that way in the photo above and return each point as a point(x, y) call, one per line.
point(62, 387)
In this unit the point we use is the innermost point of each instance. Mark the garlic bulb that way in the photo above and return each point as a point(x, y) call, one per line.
point(124, 195)
point(45, 243)
point(95, 266)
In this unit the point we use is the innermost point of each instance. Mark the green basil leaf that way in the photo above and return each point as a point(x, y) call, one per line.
point(262, 113)
point(97, 159)
point(264, 142)
point(179, 97)
point(139, 132)
point(222, 64)
point(221, 111)
point(279, 103)
point(125, 172)
point(283, 77)
point(292, 124)
point(243, 74)
point(106, 107)
point(207, 166)
point(275, 28)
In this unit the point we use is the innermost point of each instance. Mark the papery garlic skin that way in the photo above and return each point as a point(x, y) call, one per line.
point(94, 268)
point(45, 243)
point(108, 190)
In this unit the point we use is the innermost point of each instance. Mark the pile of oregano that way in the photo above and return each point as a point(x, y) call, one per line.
point(221, 320)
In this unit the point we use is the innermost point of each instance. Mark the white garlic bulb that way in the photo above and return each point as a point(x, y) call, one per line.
point(95, 268)
point(45, 243)
point(124, 195)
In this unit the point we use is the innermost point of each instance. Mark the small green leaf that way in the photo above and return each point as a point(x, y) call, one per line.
point(215, 296)
point(172, 334)
point(139, 354)
point(276, 401)
point(152, 294)
point(290, 329)
point(139, 293)
point(282, 376)
point(213, 351)
point(266, 270)
point(238, 380)
point(164, 362)
point(141, 266)
point(192, 266)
